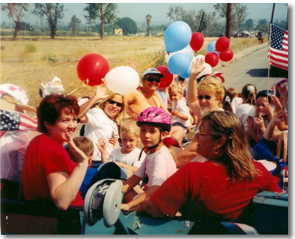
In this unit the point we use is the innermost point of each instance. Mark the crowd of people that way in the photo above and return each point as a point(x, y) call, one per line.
point(230, 159)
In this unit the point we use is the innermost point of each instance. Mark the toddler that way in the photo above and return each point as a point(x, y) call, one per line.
point(129, 156)
point(180, 114)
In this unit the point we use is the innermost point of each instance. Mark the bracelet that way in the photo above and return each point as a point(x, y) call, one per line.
point(285, 110)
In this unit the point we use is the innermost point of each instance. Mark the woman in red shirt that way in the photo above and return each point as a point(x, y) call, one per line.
point(219, 188)
point(48, 172)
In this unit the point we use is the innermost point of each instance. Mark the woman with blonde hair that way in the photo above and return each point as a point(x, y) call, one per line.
point(220, 188)
point(101, 122)
point(207, 96)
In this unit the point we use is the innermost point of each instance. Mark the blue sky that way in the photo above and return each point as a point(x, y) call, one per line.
point(158, 11)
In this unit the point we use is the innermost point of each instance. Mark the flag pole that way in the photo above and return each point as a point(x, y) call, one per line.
point(268, 70)
point(269, 42)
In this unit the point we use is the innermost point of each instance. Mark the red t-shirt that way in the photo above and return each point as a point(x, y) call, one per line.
point(203, 189)
point(44, 156)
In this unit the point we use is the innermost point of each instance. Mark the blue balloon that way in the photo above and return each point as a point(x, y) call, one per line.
point(178, 63)
point(177, 36)
point(211, 46)
point(187, 73)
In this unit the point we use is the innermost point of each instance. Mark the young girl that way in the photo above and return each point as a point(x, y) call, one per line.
point(155, 124)
point(129, 156)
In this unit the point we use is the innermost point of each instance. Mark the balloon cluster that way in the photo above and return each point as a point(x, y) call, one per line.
point(218, 50)
point(180, 44)
point(93, 69)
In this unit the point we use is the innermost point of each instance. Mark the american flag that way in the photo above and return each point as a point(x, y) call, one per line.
point(12, 121)
point(278, 52)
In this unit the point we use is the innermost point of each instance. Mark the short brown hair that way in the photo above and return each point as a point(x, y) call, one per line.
point(85, 144)
point(51, 107)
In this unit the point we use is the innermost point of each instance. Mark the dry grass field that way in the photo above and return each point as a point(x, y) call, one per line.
point(28, 61)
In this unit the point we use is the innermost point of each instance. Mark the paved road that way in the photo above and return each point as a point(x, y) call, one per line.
point(253, 69)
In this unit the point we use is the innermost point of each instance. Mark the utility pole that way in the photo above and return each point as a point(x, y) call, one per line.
point(201, 23)
point(228, 20)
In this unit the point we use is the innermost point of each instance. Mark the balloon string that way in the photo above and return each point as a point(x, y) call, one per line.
point(153, 62)
point(73, 91)
point(89, 91)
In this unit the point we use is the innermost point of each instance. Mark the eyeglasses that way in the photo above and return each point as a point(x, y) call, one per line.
point(151, 79)
point(115, 102)
point(207, 97)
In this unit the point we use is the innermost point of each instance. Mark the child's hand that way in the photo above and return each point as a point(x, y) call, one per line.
point(133, 65)
point(113, 141)
point(78, 154)
point(125, 206)
point(175, 112)
point(101, 145)
point(268, 110)
point(283, 89)
point(259, 122)
point(276, 102)
point(279, 117)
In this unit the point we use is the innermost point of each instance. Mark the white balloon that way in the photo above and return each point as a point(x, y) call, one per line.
point(207, 70)
point(187, 51)
point(122, 80)
point(200, 57)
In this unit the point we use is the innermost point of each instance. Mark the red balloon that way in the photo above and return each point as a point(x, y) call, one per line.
point(222, 44)
point(197, 41)
point(92, 68)
point(212, 59)
point(226, 55)
point(168, 77)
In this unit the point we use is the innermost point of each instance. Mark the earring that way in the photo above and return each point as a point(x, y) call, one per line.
point(215, 151)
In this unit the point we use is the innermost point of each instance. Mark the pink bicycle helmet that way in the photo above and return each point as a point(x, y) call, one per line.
point(155, 116)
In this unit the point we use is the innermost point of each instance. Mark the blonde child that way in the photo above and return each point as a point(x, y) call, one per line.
point(158, 165)
point(129, 156)
point(180, 114)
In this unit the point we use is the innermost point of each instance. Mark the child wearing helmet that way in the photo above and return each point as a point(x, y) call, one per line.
point(159, 164)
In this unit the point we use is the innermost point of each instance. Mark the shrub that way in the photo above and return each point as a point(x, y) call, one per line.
point(50, 57)
point(30, 48)
point(160, 57)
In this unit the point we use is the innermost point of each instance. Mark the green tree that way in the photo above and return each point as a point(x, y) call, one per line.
point(194, 19)
point(176, 13)
point(238, 14)
point(106, 12)
point(282, 24)
point(249, 25)
point(128, 25)
point(148, 19)
point(53, 13)
point(16, 11)
point(74, 25)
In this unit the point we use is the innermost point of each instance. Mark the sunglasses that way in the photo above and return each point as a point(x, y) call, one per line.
point(115, 102)
point(207, 97)
point(151, 79)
